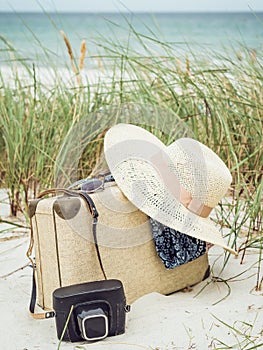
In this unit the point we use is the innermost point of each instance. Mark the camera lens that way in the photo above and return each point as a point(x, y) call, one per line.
point(93, 324)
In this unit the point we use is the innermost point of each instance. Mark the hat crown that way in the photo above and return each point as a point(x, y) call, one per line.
point(199, 170)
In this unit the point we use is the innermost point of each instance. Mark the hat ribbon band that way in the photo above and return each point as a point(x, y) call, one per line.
point(160, 161)
point(193, 204)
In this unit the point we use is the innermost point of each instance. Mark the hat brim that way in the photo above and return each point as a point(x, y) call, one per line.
point(142, 184)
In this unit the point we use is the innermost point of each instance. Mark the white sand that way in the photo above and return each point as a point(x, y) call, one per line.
point(182, 320)
point(50, 77)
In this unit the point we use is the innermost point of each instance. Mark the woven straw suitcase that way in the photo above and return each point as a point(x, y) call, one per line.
point(65, 252)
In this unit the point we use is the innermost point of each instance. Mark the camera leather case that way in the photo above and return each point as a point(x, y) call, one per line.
point(90, 311)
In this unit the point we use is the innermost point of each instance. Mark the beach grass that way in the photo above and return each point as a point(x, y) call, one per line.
point(244, 333)
point(219, 97)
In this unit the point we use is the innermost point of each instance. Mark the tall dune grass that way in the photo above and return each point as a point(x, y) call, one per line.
point(219, 97)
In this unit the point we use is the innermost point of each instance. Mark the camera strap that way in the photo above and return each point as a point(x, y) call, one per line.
point(94, 213)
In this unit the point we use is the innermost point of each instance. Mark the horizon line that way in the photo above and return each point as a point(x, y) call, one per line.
point(130, 12)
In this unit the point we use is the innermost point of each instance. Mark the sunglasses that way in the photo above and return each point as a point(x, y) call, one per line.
point(90, 185)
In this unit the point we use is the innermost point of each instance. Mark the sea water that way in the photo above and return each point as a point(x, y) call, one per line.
point(32, 47)
point(36, 36)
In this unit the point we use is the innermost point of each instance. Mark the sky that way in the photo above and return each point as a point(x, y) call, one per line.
point(132, 5)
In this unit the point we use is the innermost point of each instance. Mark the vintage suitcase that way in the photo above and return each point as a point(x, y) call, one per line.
point(65, 252)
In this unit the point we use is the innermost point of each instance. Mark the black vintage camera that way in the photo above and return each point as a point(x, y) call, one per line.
point(90, 311)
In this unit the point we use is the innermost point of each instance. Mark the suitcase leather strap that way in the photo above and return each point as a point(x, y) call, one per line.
point(94, 213)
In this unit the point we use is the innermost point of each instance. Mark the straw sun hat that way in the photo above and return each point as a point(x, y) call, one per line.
point(177, 185)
